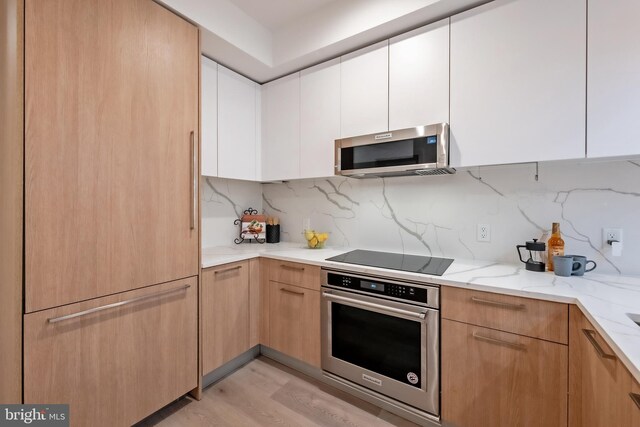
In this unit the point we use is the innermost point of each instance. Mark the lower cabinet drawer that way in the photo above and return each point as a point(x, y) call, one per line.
point(524, 316)
point(117, 359)
point(294, 324)
point(295, 274)
point(493, 379)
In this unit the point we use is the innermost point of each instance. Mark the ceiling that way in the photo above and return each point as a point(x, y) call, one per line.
point(274, 14)
point(267, 39)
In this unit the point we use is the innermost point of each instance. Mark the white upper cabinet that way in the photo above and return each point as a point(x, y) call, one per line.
point(258, 132)
point(419, 77)
point(319, 118)
point(613, 103)
point(237, 144)
point(281, 129)
point(364, 103)
point(209, 100)
point(518, 82)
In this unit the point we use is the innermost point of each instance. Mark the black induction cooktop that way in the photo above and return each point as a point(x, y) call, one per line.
point(411, 263)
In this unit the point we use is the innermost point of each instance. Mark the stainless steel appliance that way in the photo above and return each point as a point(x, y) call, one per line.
point(421, 150)
point(383, 336)
point(393, 261)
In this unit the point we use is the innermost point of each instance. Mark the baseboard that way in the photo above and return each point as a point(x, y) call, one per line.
point(289, 361)
point(230, 367)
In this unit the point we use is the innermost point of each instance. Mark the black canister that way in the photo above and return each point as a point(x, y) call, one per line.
point(273, 233)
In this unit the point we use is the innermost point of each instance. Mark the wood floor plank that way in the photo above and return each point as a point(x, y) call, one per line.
point(322, 408)
point(266, 393)
point(257, 405)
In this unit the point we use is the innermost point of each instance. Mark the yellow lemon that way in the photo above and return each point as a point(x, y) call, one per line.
point(308, 234)
point(313, 242)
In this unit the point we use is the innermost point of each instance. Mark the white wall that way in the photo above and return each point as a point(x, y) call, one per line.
point(439, 215)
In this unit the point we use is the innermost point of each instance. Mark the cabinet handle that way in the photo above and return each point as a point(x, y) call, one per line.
point(378, 308)
point(292, 292)
point(591, 336)
point(116, 304)
point(515, 345)
point(290, 267)
point(498, 303)
point(636, 399)
point(194, 187)
point(237, 267)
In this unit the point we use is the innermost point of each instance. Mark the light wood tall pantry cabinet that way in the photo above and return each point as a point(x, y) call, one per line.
point(111, 150)
point(111, 208)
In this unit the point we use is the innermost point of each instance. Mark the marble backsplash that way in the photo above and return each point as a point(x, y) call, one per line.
point(439, 215)
point(223, 201)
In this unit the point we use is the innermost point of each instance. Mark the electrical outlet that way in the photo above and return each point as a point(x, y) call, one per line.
point(484, 233)
point(611, 234)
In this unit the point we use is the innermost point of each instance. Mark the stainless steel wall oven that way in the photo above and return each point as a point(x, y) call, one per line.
point(383, 334)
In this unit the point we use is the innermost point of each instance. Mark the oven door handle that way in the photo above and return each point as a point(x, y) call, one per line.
point(376, 307)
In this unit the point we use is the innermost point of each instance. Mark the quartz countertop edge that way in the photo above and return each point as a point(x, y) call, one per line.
point(604, 299)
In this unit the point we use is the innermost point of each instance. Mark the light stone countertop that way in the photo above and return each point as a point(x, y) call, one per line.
point(604, 299)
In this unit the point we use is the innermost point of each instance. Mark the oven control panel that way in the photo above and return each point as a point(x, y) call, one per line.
point(379, 287)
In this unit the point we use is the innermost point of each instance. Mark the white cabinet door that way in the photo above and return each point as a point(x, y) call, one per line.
point(237, 157)
point(258, 132)
point(419, 77)
point(518, 82)
point(319, 118)
point(364, 95)
point(281, 129)
point(209, 101)
point(613, 88)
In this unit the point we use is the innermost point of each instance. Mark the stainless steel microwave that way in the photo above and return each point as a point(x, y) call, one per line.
point(421, 150)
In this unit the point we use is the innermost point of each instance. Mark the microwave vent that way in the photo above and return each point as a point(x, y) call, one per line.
point(439, 171)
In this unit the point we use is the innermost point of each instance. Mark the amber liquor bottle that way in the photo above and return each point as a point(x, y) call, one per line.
point(555, 245)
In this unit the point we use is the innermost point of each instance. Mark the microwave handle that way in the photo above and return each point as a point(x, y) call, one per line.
point(377, 307)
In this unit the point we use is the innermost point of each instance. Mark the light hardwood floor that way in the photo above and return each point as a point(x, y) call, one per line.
point(266, 393)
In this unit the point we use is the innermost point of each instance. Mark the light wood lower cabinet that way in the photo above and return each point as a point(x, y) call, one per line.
point(225, 314)
point(264, 301)
point(635, 390)
point(294, 273)
point(255, 306)
point(600, 385)
point(524, 316)
point(116, 365)
point(294, 322)
point(492, 378)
